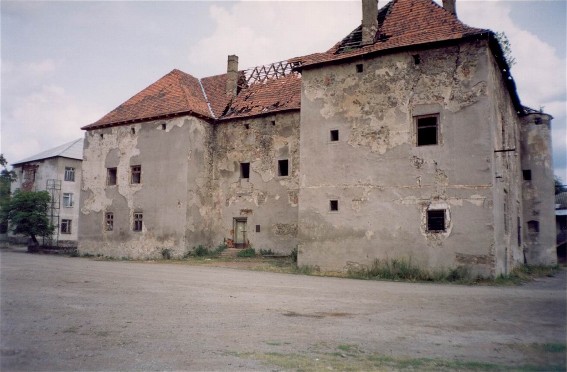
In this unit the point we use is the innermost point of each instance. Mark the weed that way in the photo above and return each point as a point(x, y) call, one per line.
point(201, 251)
point(294, 253)
point(266, 252)
point(248, 252)
point(166, 253)
point(304, 269)
point(220, 248)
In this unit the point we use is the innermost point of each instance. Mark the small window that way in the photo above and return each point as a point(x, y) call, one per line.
point(416, 59)
point(527, 174)
point(245, 170)
point(427, 130)
point(70, 174)
point(436, 220)
point(247, 126)
point(334, 205)
point(533, 227)
point(138, 218)
point(334, 135)
point(101, 136)
point(133, 130)
point(163, 126)
point(273, 122)
point(111, 176)
point(258, 228)
point(283, 168)
point(68, 199)
point(109, 221)
point(65, 226)
point(359, 68)
point(136, 174)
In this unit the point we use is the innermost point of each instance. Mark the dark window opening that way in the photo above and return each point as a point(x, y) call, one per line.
point(65, 226)
point(273, 122)
point(334, 135)
point(109, 221)
point(334, 205)
point(533, 226)
point(101, 136)
point(133, 130)
point(359, 68)
point(247, 126)
point(283, 168)
point(519, 233)
point(136, 175)
point(111, 176)
point(527, 174)
point(138, 221)
point(257, 228)
point(416, 59)
point(163, 126)
point(436, 220)
point(427, 130)
point(244, 170)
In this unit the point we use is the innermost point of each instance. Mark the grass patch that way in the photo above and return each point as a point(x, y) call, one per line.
point(248, 252)
point(526, 273)
point(554, 347)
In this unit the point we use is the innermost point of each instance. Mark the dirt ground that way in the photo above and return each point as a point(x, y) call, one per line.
point(63, 313)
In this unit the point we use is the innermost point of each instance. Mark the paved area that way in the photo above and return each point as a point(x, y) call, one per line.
point(61, 313)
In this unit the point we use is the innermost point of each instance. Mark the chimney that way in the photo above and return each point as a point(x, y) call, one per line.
point(232, 76)
point(450, 6)
point(369, 21)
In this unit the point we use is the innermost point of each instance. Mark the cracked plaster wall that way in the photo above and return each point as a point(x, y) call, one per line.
point(384, 182)
point(173, 195)
point(264, 199)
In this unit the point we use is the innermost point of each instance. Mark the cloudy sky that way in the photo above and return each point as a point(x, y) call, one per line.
point(65, 64)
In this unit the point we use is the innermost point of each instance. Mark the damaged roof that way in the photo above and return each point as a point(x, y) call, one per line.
point(401, 23)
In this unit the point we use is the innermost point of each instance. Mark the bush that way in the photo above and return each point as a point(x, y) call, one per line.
point(266, 252)
point(166, 253)
point(220, 248)
point(201, 251)
point(248, 252)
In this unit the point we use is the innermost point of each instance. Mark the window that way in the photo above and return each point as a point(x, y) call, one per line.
point(257, 228)
point(527, 174)
point(65, 226)
point(70, 174)
point(283, 168)
point(416, 59)
point(247, 126)
point(334, 135)
point(109, 221)
point(101, 136)
point(533, 227)
point(359, 68)
point(334, 205)
point(436, 220)
point(244, 170)
point(427, 130)
point(163, 126)
point(111, 176)
point(138, 217)
point(136, 174)
point(68, 199)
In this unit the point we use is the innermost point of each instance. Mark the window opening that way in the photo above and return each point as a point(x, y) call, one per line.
point(334, 135)
point(283, 168)
point(533, 226)
point(527, 174)
point(247, 126)
point(101, 136)
point(273, 122)
point(334, 205)
point(427, 128)
point(111, 176)
point(65, 226)
point(133, 130)
point(138, 221)
point(359, 68)
point(163, 126)
point(244, 170)
point(136, 176)
point(68, 199)
point(109, 221)
point(436, 220)
point(257, 228)
point(70, 174)
point(416, 59)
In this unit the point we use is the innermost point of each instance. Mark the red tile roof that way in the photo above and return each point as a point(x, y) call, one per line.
point(402, 23)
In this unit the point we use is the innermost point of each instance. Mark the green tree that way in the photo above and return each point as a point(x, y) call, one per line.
point(506, 48)
point(27, 214)
point(6, 179)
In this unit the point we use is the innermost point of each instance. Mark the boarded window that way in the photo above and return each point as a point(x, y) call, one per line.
point(527, 174)
point(70, 174)
point(244, 170)
point(427, 130)
point(138, 219)
point(65, 226)
point(136, 174)
point(436, 220)
point(111, 176)
point(334, 135)
point(334, 205)
point(283, 168)
point(68, 199)
point(109, 221)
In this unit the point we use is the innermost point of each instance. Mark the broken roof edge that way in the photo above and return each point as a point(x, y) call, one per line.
point(146, 119)
point(245, 116)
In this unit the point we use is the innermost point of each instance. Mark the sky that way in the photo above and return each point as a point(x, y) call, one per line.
point(65, 64)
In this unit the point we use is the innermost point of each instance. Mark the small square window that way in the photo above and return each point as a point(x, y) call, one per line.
point(427, 130)
point(65, 226)
point(533, 227)
point(70, 174)
point(245, 170)
point(163, 126)
point(359, 68)
point(111, 176)
point(283, 168)
point(436, 220)
point(334, 135)
point(334, 205)
point(109, 221)
point(136, 175)
point(68, 200)
point(527, 174)
point(138, 218)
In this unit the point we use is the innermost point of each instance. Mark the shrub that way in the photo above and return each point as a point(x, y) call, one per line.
point(266, 252)
point(201, 251)
point(248, 252)
point(166, 253)
point(219, 249)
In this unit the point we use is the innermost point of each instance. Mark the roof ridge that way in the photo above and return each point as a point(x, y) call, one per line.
point(206, 99)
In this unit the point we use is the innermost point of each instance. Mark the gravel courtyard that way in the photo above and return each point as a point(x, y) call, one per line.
point(62, 313)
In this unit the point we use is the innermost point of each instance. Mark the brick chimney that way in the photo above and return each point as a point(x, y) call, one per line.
point(369, 21)
point(450, 6)
point(232, 76)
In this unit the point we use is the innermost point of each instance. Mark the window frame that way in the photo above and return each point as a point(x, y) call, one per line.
point(138, 221)
point(429, 224)
point(68, 196)
point(111, 175)
point(136, 174)
point(69, 174)
point(66, 226)
point(427, 128)
point(287, 168)
point(109, 221)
